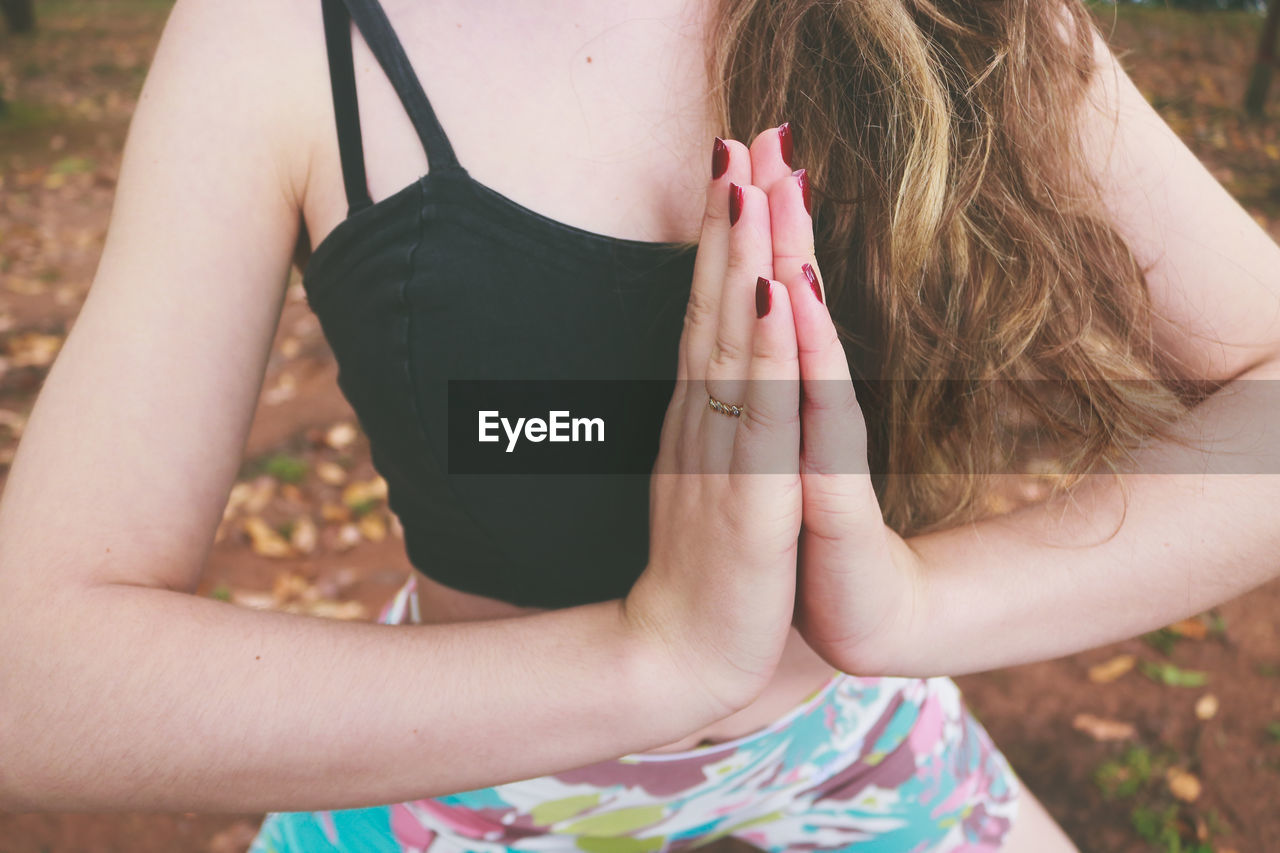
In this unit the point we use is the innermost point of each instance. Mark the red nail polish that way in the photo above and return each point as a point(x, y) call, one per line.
point(802, 178)
point(764, 298)
point(719, 158)
point(784, 141)
point(812, 278)
point(735, 203)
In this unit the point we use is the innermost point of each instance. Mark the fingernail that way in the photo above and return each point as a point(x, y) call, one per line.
point(802, 178)
point(812, 278)
point(764, 298)
point(719, 158)
point(735, 203)
point(784, 141)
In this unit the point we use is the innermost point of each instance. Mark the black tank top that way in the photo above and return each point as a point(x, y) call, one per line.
point(449, 279)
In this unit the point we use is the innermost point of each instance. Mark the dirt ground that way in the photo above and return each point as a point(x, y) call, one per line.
point(1168, 742)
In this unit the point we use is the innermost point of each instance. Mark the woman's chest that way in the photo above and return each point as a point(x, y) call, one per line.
point(597, 120)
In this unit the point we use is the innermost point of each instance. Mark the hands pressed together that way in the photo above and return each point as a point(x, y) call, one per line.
point(762, 513)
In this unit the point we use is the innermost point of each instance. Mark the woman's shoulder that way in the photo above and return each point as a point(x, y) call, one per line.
point(249, 65)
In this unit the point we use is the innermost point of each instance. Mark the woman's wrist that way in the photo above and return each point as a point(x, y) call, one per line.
point(873, 635)
point(666, 671)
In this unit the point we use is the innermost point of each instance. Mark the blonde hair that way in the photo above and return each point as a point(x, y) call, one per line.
point(983, 296)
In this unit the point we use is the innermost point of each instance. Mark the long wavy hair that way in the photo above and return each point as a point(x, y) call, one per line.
point(984, 298)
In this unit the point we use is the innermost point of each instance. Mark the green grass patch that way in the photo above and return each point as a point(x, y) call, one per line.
point(1172, 676)
point(1162, 828)
point(285, 468)
point(24, 115)
point(1125, 776)
point(1138, 775)
point(1162, 641)
point(1217, 624)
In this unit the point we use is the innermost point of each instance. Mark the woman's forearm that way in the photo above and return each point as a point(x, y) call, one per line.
point(131, 697)
point(1200, 527)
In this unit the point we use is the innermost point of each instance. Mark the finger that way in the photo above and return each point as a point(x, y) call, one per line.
point(792, 227)
point(834, 431)
point(672, 439)
point(750, 258)
point(771, 156)
point(768, 435)
point(730, 163)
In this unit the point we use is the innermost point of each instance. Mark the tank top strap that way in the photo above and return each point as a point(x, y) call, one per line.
point(342, 80)
point(376, 29)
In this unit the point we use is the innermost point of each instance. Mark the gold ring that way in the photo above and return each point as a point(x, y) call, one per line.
point(724, 408)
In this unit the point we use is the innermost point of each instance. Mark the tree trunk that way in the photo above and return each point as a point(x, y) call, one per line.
point(1255, 96)
point(20, 15)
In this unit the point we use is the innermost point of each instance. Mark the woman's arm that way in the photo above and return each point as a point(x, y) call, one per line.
point(118, 689)
point(1200, 527)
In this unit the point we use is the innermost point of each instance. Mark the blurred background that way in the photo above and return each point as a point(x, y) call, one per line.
point(1169, 742)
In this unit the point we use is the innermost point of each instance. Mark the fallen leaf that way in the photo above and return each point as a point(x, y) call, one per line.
point(372, 527)
point(237, 498)
point(331, 473)
point(1192, 629)
point(1183, 785)
point(348, 537)
point(364, 492)
point(285, 388)
point(338, 609)
point(340, 435)
point(304, 535)
point(263, 490)
point(332, 512)
point(288, 585)
point(1102, 729)
point(1207, 707)
point(265, 540)
point(33, 349)
point(1109, 671)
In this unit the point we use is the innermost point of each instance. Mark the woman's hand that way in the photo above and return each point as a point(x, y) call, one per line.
point(718, 593)
point(856, 577)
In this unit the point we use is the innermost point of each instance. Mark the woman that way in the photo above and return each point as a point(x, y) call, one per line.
point(991, 200)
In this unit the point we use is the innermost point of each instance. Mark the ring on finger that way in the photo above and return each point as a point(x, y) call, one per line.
point(731, 409)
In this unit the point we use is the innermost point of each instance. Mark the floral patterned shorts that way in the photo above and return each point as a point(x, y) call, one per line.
point(864, 764)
